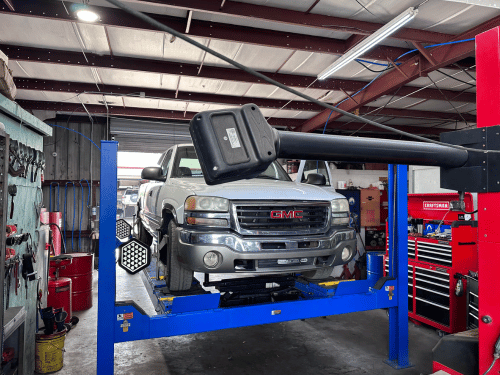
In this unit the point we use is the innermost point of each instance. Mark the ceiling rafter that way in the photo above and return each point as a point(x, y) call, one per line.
point(299, 18)
point(412, 69)
point(204, 29)
point(20, 53)
point(78, 87)
point(186, 116)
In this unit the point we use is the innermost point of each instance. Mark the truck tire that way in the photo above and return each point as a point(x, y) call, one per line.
point(322, 273)
point(179, 278)
point(141, 233)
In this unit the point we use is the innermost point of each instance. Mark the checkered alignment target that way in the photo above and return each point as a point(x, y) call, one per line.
point(134, 256)
point(123, 229)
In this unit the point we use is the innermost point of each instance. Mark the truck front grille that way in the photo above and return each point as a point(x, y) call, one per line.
point(258, 218)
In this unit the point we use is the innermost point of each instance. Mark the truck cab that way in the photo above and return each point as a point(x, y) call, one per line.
point(268, 224)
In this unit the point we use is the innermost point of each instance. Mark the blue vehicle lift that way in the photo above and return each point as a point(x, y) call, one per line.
point(124, 321)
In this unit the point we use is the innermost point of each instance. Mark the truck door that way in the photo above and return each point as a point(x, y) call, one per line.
point(152, 194)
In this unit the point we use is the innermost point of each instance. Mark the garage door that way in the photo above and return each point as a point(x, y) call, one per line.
point(148, 136)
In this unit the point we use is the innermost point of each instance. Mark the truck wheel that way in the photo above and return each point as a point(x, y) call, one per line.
point(179, 278)
point(141, 233)
point(322, 273)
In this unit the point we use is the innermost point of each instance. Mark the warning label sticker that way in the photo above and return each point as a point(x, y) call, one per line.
point(436, 205)
point(233, 137)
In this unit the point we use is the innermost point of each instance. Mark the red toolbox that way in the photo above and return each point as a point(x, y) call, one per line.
point(436, 263)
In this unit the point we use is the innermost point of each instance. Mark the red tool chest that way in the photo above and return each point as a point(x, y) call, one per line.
point(436, 264)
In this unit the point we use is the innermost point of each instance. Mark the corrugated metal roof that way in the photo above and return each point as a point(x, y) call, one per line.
point(39, 32)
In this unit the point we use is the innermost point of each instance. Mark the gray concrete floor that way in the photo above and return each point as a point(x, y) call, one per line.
point(344, 344)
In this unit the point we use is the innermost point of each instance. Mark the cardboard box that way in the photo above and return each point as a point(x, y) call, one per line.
point(370, 207)
point(7, 86)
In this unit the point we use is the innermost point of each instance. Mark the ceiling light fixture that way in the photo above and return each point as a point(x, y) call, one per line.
point(86, 15)
point(370, 42)
point(482, 3)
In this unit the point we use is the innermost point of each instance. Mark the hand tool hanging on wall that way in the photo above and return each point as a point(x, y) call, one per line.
point(12, 190)
point(23, 151)
point(15, 165)
point(34, 164)
point(28, 272)
point(41, 166)
point(30, 156)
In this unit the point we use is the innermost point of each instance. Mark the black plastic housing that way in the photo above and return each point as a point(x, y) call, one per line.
point(233, 144)
point(481, 172)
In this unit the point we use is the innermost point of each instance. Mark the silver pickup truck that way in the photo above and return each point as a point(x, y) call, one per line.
point(268, 224)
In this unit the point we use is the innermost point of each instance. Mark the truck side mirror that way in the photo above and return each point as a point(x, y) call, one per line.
point(153, 173)
point(315, 179)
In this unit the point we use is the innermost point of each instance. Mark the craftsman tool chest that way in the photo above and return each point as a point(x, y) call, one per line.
point(439, 260)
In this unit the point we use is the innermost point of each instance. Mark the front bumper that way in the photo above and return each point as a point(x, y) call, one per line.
point(264, 254)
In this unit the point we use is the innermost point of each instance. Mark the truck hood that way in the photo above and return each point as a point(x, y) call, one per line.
point(258, 189)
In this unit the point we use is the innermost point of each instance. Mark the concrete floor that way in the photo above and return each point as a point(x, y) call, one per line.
point(344, 344)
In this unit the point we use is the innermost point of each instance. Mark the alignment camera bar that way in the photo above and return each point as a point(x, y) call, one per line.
point(234, 144)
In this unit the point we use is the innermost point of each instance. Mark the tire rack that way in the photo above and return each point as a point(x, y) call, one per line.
point(121, 321)
point(432, 266)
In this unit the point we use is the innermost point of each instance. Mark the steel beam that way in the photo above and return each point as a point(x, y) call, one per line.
point(413, 68)
point(21, 53)
point(203, 29)
point(360, 127)
point(78, 87)
point(129, 111)
point(299, 18)
point(77, 109)
point(416, 114)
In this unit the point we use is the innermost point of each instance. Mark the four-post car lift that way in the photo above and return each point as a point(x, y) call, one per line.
point(461, 170)
point(120, 321)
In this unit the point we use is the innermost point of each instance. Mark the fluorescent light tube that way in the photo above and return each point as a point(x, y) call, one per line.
point(370, 42)
point(482, 3)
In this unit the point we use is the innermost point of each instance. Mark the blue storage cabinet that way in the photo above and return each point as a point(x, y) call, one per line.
point(354, 198)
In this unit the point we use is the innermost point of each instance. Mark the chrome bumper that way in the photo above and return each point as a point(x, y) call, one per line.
point(264, 254)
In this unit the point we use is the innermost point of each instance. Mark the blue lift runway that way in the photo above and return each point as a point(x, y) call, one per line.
point(120, 321)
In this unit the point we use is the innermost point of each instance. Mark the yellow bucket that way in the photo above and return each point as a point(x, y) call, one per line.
point(49, 350)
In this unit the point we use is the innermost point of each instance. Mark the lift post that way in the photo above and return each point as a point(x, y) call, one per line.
point(488, 114)
point(120, 321)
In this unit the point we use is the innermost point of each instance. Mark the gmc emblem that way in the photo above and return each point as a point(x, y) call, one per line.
point(286, 215)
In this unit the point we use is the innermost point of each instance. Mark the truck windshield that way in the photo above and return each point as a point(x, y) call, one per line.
point(275, 172)
point(186, 164)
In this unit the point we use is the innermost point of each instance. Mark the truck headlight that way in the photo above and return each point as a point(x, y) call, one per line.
point(340, 205)
point(211, 204)
point(340, 212)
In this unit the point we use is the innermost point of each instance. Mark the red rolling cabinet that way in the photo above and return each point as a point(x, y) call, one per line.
point(436, 264)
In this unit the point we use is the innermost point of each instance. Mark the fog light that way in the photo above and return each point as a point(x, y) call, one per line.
point(346, 253)
point(211, 259)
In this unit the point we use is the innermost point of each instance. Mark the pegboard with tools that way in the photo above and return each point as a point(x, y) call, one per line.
point(24, 238)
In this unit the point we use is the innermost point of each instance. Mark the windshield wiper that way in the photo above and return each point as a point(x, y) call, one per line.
point(268, 177)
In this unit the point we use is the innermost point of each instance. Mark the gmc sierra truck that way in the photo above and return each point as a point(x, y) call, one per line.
point(268, 224)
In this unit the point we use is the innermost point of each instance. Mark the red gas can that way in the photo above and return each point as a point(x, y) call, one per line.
point(60, 295)
point(80, 272)
point(56, 218)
